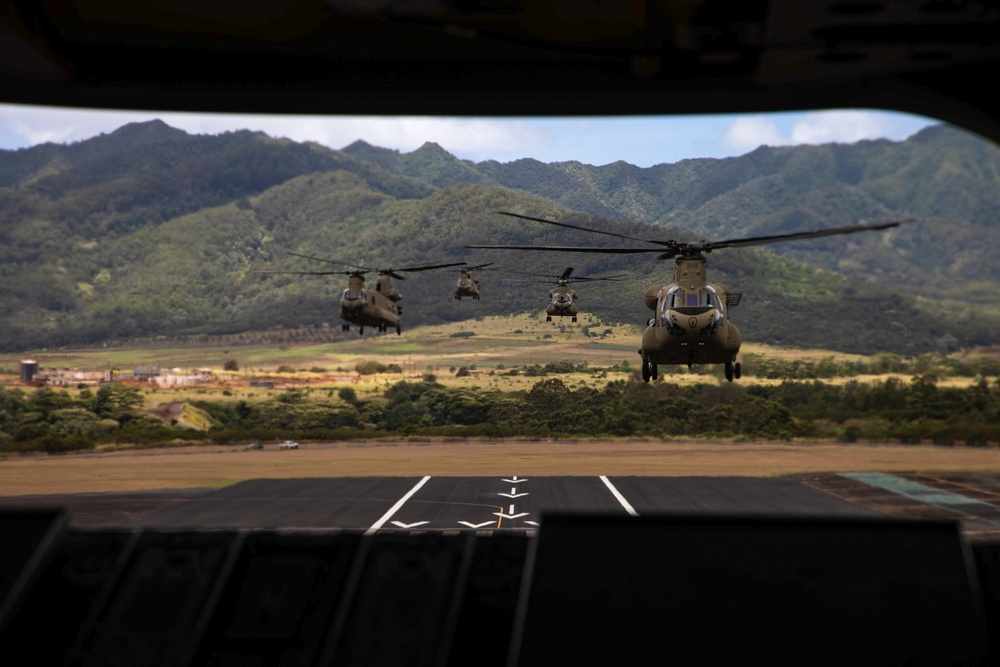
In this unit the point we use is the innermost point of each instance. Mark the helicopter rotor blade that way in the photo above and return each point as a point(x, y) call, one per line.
point(585, 229)
point(427, 267)
point(566, 248)
point(330, 261)
point(679, 248)
point(777, 238)
point(312, 273)
point(580, 278)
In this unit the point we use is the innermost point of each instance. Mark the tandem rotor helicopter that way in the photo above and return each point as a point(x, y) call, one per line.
point(562, 299)
point(362, 307)
point(468, 283)
point(691, 316)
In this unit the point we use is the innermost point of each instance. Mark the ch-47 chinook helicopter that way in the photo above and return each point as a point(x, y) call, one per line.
point(468, 283)
point(363, 307)
point(691, 316)
point(562, 299)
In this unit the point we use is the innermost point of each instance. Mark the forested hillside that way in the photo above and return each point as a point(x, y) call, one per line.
point(149, 231)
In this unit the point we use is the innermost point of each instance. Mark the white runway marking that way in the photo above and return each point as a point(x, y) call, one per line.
point(395, 508)
point(620, 497)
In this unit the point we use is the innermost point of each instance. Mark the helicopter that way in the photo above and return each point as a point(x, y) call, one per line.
point(363, 307)
point(562, 299)
point(468, 283)
point(691, 316)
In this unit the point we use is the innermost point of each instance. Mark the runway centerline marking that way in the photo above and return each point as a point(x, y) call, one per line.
point(395, 508)
point(619, 496)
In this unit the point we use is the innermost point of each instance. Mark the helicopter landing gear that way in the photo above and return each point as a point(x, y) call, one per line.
point(361, 331)
point(548, 318)
point(399, 330)
point(733, 370)
point(574, 318)
point(649, 371)
point(345, 327)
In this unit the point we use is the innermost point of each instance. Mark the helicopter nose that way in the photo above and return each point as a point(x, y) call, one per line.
point(703, 323)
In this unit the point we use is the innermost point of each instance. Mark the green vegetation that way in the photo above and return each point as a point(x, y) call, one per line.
point(795, 403)
point(152, 233)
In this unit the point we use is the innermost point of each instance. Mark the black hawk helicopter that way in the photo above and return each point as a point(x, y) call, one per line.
point(468, 283)
point(691, 316)
point(361, 306)
point(562, 299)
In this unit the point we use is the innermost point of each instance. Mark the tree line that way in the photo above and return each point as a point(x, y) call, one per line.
point(891, 410)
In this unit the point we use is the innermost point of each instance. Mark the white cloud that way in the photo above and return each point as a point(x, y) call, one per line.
point(844, 127)
point(813, 128)
point(747, 133)
point(22, 126)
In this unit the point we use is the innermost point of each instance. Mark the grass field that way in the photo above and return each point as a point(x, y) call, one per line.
point(491, 347)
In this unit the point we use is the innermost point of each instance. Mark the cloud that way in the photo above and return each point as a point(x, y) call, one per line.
point(842, 127)
point(22, 126)
point(469, 138)
point(747, 133)
point(814, 128)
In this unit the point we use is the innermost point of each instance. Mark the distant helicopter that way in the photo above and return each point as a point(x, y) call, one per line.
point(363, 307)
point(468, 283)
point(562, 299)
point(691, 316)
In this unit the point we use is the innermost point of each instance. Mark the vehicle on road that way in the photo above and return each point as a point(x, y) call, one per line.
point(288, 444)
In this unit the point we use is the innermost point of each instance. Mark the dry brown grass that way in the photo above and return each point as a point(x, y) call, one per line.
point(221, 466)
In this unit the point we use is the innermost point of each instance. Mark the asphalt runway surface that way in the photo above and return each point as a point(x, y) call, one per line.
point(374, 504)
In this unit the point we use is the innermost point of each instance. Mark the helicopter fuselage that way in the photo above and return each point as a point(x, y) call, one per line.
point(562, 302)
point(374, 308)
point(690, 323)
point(468, 285)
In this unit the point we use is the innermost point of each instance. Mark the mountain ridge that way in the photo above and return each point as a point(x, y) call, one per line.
point(151, 231)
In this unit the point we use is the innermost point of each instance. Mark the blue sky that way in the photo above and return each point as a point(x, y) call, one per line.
point(642, 140)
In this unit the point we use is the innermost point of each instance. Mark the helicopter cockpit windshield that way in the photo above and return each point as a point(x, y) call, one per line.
point(355, 296)
point(690, 302)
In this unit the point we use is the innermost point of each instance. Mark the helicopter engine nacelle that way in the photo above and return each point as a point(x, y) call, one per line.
point(652, 296)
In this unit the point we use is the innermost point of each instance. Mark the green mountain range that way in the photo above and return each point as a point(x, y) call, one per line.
point(153, 232)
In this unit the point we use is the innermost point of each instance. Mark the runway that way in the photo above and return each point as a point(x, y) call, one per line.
point(519, 502)
point(511, 502)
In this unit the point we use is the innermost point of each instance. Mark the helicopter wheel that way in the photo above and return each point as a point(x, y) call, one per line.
point(361, 331)
point(574, 318)
point(548, 318)
point(645, 371)
point(729, 371)
point(653, 370)
point(345, 327)
point(737, 370)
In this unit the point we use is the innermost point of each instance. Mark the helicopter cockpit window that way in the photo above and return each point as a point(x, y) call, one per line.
point(355, 295)
point(692, 303)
